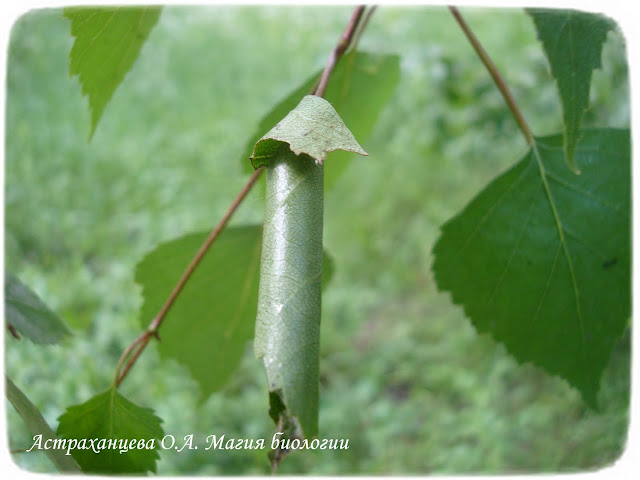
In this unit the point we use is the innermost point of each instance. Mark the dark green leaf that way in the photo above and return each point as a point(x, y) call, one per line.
point(107, 43)
point(313, 128)
point(540, 258)
point(208, 326)
point(572, 41)
point(29, 315)
point(110, 416)
point(37, 425)
point(360, 87)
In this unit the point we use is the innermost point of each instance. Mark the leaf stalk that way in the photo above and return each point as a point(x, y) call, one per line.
point(495, 74)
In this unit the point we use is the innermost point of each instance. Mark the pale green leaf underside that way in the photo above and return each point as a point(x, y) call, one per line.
point(540, 258)
point(37, 425)
point(29, 315)
point(572, 41)
point(213, 318)
point(109, 415)
point(287, 335)
point(107, 42)
point(313, 128)
point(361, 85)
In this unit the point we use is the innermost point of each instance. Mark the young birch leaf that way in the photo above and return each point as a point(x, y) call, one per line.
point(361, 85)
point(289, 299)
point(37, 425)
point(213, 318)
point(107, 43)
point(110, 416)
point(211, 321)
point(572, 41)
point(540, 259)
point(29, 315)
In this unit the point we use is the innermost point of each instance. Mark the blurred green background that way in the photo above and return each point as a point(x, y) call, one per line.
point(404, 376)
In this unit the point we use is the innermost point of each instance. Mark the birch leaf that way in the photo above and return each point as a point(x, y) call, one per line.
point(107, 42)
point(540, 259)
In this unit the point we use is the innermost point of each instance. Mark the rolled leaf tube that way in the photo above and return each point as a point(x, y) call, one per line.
point(288, 320)
point(289, 300)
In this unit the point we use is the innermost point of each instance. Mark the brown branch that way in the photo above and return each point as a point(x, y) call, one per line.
point(152, 330)
point(343, 44)
point(497, 78)
point(362, 25)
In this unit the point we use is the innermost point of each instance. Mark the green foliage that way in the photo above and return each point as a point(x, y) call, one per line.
point(360, 87)
point(107, 43)
point(573, 43)
point(37, 425)
point(29, 315)
point(529, 267)
point(110, 416)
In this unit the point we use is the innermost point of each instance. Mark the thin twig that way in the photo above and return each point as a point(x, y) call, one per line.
point(142, 338)
point(338, 51)
point(353, 39)
point(497, 78)
point(152, 330)
point(362, 25)
point(140, 344)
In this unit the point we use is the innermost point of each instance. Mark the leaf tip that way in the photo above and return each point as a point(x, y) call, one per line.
point(570, 156)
